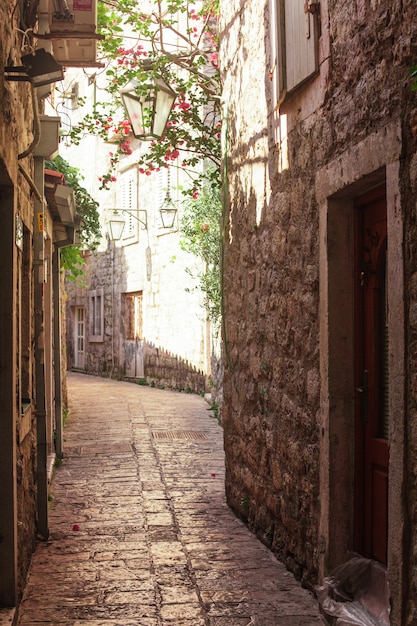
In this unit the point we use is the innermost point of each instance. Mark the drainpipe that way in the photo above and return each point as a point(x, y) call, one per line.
point(40, 400)
point(56, 286)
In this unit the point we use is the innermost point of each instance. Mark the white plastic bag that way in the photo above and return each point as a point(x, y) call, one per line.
point(357, 592)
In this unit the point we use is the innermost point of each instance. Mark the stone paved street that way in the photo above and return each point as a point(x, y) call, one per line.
point(140, 533)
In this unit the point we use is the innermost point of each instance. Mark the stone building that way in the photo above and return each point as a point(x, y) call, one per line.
point(320, 282)
point(137, 312)
point(38, 219)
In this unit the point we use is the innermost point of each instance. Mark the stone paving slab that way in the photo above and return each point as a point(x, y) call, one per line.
point(140, 532)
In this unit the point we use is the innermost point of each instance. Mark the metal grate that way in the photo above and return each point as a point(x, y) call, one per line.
point(169, 435)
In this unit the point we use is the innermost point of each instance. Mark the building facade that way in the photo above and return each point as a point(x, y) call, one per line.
point(136, 312)
point(319, 282)
point(38, 220)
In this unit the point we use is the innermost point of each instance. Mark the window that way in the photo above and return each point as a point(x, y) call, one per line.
point(96, 312)
point(294, 29)
point(127, 198)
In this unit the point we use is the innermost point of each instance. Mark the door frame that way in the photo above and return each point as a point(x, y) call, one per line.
point(337, 184)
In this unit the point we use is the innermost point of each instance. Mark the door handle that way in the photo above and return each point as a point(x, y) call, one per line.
point(364, 391)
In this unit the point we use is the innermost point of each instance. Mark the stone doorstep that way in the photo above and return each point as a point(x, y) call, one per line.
point(8, 617)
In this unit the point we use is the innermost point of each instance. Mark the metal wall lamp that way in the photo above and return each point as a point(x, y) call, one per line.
point(39, 68)
point(116, 226)
point(148, 107)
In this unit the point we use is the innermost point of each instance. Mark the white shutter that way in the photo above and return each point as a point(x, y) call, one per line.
point(127, 192)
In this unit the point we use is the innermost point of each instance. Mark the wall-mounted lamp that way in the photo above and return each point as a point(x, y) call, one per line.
point(116, 225)
point(148, 107)
point(39, 68)
point(116, 228)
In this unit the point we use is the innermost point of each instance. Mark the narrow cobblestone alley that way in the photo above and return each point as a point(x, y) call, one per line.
point(140, 533)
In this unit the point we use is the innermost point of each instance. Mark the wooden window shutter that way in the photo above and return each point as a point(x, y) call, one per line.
point(294, 49)
point(300, 42)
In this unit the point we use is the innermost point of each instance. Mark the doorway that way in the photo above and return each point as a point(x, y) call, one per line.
point(133, 324)
point(371, 376)
point(79, 338)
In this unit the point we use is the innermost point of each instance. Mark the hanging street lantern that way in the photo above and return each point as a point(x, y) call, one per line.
point(148, 107)
point(168, 215)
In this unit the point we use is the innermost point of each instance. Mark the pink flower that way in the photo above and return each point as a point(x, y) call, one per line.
point(215, 59)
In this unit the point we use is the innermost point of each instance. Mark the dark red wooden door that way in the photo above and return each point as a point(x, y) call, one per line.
point(371, 432)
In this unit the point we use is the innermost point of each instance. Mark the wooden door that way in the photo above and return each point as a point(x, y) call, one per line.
point(371, 376)
point(133, 314)
point(79, 339)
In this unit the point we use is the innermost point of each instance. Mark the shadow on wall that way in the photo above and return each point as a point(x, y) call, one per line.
point(164, 369)
point(161, 369)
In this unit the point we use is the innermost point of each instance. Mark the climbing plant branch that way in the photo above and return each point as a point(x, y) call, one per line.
point(181, 41)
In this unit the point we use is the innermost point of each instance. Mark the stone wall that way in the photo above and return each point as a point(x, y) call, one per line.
point(16, 136)
point(26, 503)
point(275, 327)
point(163, 369)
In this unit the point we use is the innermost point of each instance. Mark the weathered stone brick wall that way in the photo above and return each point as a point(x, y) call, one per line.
point(163, 369)
point(271, 388)
point(16, 135)
point(98, 272)
point(272, 378)
point(26, 482)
